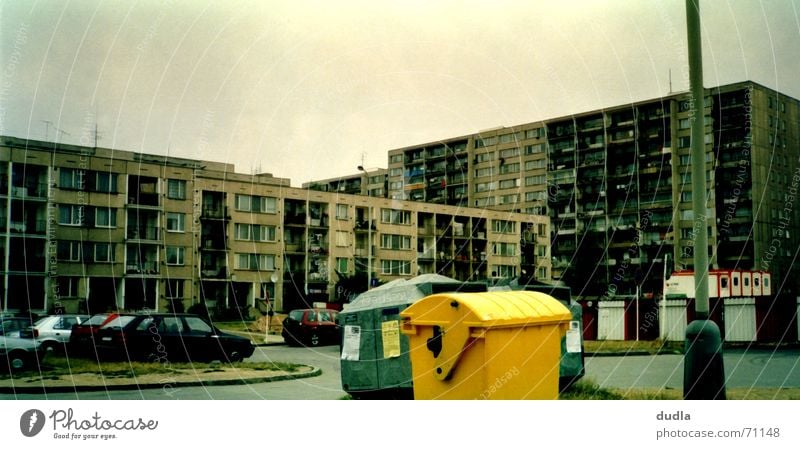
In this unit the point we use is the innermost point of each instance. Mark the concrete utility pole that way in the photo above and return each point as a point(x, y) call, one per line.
point(703, 370)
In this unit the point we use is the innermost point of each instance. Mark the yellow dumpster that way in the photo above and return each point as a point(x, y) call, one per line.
point(495, 345)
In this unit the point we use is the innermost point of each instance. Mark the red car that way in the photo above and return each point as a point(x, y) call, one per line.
point(311, 327)
point(81, 340)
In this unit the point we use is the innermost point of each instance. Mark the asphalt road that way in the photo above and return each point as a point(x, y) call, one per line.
point(752, 368)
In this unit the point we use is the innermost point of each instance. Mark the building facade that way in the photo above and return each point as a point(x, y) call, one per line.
point(616, 185)
point(94, 229)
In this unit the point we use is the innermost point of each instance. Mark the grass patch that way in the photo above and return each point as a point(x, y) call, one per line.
point(651, 347)
point(52, 367)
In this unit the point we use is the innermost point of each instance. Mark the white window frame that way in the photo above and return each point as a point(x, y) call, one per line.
point(181, 221)
point(181, 187)
point(179, 253)
point(76, 213)
point(111, 217)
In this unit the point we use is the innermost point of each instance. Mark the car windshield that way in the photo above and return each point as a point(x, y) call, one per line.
point(96, 320)
point(119, 322)
point(296, 315)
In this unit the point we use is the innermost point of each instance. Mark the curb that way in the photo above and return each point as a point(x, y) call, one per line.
point(165, 385)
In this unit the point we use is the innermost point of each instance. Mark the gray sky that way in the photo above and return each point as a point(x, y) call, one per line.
point(304, 89)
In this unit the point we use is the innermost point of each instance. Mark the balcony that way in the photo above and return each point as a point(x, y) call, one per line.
point(30, 190)
point(35, 227)
point(215, 213)
point(212, 272)
point(143, 268)
point(143, 232)
point(213, 243)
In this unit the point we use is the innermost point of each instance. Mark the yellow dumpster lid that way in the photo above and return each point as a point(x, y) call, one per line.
point(489, 309)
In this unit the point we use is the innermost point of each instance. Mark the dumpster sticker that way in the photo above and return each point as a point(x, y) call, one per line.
point(352, 342)
point(391, 338)
point(574, 337)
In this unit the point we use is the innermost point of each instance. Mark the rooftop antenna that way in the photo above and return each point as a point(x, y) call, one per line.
point(59, 133)
point(47, 124)
point(670, 80)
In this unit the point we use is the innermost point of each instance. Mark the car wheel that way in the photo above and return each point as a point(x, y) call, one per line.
point(19, 360)
point(314, 339)
point(235, 357)
point(52, 347)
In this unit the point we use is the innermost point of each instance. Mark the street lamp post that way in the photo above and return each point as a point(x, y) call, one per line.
point(703, 373)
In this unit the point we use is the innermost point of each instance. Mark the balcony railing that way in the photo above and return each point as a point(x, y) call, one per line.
point(217, 213)
point(143, 232)
point(219, 272)
point(142, 268)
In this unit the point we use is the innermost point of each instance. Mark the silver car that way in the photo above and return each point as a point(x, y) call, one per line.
point(17, 354)
point(51, 333)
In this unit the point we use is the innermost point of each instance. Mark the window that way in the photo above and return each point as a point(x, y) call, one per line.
point(686, 195)
point(533, 133)
point(504, 226)
point(395, 216)
point(257, 233)
point(259, 204)
point(175, 290)
point(105, 217)
point(510, 152)
point(103, 252)
point(176, 189)
point(506, 138)
point(342, 211)
point(541, 251)
point(542, 273)
point(342, 265)
point(394, 241)
point(504, 271)
point(481, 172)
point(395, 267)
point(537, 180)
point(68, 286)
point(485, 186)
point(396, 159)
point(684, 123)
point(196, 324)
point(106, 182)
point(396, 171)
point(255, 262)
point(533, 149)
point(68, 251)
point(485, 142)
point(176, 255)
point(509, 183)
point(70, 214)
point(175, 221)
point(484, 157)
point(481, 202)
point(534, 164)
point(508, 199)
point(72, 178)
point(342, 238)
point(540, 195)
point(504, 249)
point(509, 168)
point(684, 142)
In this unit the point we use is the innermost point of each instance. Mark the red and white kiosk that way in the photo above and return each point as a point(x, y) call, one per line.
point(733, 297)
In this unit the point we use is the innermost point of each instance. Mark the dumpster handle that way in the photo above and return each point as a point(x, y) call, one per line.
point(434, 344)
point(457, 342)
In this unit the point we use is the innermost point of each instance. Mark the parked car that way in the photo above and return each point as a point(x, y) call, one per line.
point(159, 337)
point(10, 326)
point(81, 339)
point(312, 327)
point(17, 354)
point(52, 332)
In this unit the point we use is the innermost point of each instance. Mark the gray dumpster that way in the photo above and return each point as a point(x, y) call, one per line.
point(375, 360)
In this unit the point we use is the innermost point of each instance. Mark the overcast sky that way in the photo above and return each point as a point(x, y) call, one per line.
point(305, 89)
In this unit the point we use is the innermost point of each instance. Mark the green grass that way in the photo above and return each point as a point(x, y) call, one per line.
point(588, 390)
point(651, 347)
point(54, 366)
